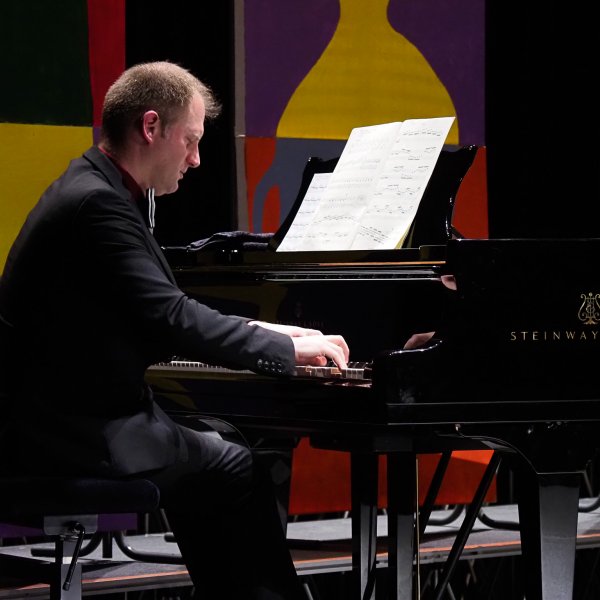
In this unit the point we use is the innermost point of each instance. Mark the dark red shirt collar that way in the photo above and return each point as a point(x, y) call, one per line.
point(130, 183)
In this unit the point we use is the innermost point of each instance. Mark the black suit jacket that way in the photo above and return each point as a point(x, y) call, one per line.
point(89, 302)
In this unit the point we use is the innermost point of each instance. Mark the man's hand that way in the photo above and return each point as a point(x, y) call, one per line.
point(290, 330)
point(316, 350)
point(311, 346)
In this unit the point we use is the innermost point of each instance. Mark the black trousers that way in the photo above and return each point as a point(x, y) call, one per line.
point(221, 507)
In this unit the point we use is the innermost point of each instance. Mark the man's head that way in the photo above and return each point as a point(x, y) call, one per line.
point(152, 121)
point(163, 87)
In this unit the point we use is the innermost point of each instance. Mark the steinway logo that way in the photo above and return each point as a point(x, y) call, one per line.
point(588, 315)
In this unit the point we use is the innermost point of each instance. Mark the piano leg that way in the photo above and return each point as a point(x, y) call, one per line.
point(548, 507)
point(402, 492)
point(364, 480)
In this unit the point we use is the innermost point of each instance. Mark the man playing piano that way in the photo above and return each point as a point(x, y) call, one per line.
point(89, 302)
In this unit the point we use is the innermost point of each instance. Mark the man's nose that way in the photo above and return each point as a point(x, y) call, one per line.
point(194, 158)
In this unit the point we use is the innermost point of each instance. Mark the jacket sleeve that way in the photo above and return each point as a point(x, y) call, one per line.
point(128, 270)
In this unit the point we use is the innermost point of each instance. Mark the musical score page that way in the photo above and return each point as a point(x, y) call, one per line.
point(374, 192)
point(300, 227)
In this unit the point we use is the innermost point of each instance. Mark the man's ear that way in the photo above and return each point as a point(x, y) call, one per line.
point(150, 125)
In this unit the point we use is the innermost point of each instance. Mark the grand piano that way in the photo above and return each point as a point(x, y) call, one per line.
point(512, 367)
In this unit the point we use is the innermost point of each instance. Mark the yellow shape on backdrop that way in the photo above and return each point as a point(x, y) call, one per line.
point(368, 74)
point(31, 157)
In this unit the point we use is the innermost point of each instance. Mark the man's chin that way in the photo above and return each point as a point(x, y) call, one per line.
point(172, 190)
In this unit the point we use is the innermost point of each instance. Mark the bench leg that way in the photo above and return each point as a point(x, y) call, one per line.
point(60, 571)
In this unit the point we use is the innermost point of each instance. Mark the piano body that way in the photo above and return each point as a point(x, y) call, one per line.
point(512, 367)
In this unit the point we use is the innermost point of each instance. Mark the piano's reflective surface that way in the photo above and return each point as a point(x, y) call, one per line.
point(512, 366)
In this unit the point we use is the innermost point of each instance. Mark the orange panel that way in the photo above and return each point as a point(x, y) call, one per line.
point(471, 210)
point(321, 479)
point(259, 154)
point(272, 211)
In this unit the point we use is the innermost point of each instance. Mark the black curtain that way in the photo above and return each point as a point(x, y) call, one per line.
point(542, 130)
point(198, 35)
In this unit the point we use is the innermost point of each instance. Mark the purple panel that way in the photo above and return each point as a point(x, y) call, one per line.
point(117, 522)
point(285, 38)
point(112, 522)
point(283, 41)
point(451, 36)
point(8, 530)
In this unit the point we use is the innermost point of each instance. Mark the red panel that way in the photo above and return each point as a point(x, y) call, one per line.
point(259, 156)
point(272, 211)
point(321, 479)
point(470, 216)
point(106, 23)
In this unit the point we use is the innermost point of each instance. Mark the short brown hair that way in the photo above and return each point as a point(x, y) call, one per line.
point(162, 86)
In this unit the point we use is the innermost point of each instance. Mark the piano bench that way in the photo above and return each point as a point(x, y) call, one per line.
point(64, 510)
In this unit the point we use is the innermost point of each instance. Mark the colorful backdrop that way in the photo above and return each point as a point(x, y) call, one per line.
point(315, 70)
point(309, 72)
point(57, 60)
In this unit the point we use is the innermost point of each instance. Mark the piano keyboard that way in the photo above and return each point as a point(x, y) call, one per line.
point(355, 370)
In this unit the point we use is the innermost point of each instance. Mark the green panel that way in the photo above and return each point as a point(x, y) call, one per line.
point(44, 62)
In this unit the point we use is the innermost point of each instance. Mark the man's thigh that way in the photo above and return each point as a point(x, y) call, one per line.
point(220, 470)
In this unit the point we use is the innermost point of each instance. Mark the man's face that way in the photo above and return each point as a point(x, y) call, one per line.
point(176, 149)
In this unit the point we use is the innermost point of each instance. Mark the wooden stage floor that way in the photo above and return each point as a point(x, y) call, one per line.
point(318, 547)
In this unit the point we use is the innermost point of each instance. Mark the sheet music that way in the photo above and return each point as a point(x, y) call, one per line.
point(374, 192)
point(402, 181)
point(300, 226)
point(345, 199)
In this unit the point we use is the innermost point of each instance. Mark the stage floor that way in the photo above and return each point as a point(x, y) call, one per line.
point(318, 547)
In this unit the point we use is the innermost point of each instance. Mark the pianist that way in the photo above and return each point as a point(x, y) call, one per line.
point(87, 303)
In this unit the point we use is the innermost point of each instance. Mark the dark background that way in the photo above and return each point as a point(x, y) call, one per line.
point(541, 120)
point(199, 36)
